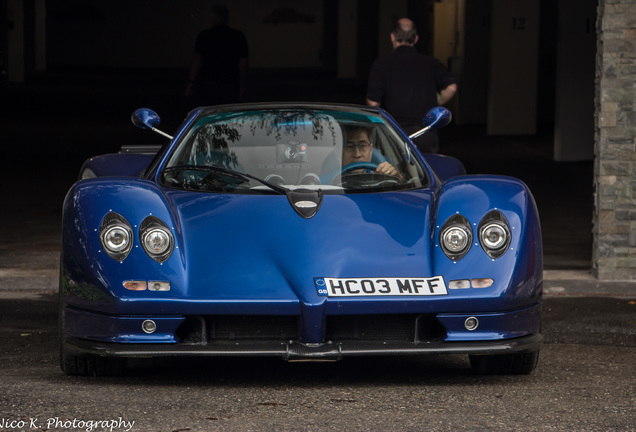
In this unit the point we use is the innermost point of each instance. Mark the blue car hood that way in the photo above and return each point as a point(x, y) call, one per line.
point(251, 247)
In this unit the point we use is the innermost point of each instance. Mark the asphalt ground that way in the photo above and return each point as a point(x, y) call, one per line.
point(585, 382)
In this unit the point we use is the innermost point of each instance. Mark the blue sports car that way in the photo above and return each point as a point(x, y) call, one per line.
point(300, 231)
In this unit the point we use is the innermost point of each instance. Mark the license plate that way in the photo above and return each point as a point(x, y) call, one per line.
point(380, 287)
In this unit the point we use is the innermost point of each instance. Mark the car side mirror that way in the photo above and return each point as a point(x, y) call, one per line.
point(436, 118)
point(145, 118)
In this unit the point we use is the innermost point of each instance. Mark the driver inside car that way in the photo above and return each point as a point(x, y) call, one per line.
point(358, 148)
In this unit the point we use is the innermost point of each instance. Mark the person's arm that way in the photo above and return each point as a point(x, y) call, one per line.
point(447, 94)
point(372, 103)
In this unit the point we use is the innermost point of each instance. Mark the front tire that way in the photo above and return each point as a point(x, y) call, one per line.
point(505, 364)
point(85, 365)
point(78, 365)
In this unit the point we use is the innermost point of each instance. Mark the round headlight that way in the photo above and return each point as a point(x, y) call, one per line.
point(156, 241)
point(116, 239)
point(493, 236)
point(116, 236)
point(455, 239)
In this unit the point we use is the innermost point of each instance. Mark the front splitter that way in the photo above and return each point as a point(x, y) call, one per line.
point(298, 351)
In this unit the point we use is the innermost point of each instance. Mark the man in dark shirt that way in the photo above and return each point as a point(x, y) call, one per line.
point(408, 84)
point(219, 64)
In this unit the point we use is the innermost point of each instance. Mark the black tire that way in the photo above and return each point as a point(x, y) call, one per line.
point(85, 365)
point(506, 364)
point(79, 365)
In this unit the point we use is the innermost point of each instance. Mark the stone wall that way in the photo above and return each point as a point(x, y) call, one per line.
point(614, 251)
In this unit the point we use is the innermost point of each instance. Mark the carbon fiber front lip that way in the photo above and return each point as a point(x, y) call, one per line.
point(298, 351)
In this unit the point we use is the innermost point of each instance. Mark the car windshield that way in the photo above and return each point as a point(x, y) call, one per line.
point(272, 151)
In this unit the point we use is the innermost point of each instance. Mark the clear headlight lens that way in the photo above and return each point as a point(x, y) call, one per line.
point(456, 237)
point(116, 236)
point(156, 239)
point(116, 239)
point(494, 234)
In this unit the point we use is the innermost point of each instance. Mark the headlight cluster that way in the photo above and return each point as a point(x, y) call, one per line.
point(117, 239)
point(456, 235)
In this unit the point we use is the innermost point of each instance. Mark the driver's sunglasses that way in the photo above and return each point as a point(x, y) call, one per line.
point(362, 146)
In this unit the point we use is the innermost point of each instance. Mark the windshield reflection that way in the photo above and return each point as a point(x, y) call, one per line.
point(336, 151)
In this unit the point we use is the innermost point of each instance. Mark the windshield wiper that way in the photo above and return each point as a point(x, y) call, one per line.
point(228, 172)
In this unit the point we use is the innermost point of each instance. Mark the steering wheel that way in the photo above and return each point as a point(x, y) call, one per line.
point(358, 165)
point(365, 179)
point(352, 167)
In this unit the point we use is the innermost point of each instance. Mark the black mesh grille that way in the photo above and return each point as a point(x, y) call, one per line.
point(371, 327)
point(197, 329)
point(402, 328)
point(254, 327)
point(395, 328)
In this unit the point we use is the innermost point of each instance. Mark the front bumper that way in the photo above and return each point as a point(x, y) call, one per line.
point(88, 333)
point(298, 351)
point(380, 329)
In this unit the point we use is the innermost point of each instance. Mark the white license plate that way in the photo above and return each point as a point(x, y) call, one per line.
point(380, 287)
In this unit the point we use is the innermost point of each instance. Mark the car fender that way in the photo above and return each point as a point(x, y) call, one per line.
point(116, 165)
point(518, 273)
point(85, 267)
point(445, 167)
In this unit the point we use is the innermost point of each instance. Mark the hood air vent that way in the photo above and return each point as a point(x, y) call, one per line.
point(306, 202)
